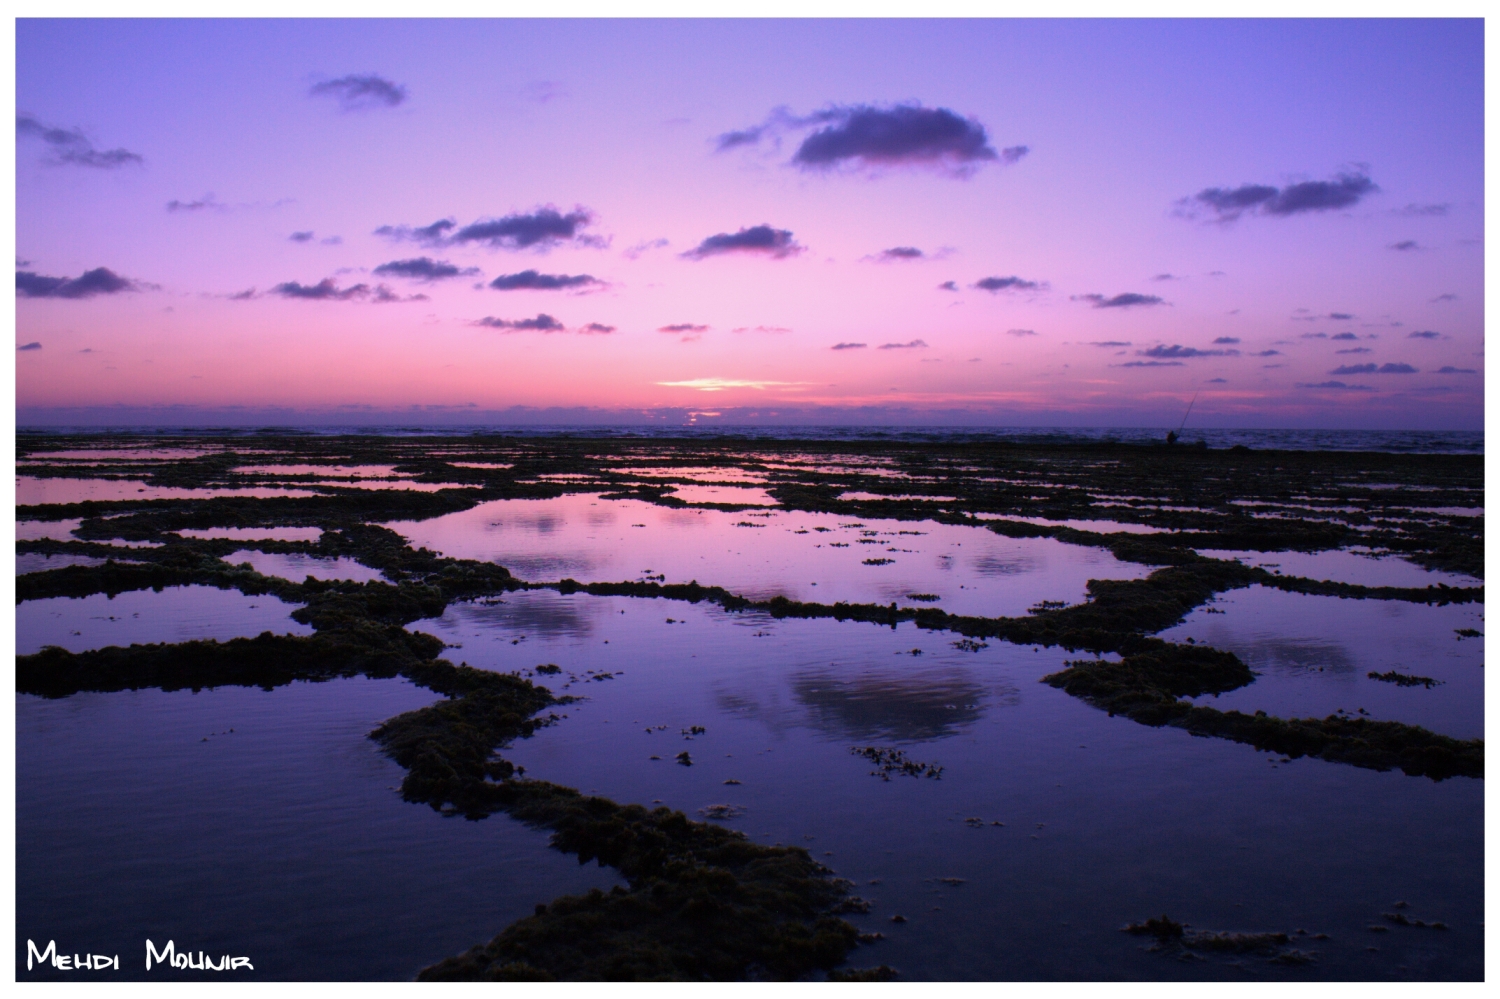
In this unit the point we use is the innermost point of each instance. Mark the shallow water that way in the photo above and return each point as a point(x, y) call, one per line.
point(1346, 566)
point(1315, 655)
point(31, 491)
point(175, 614)
point(762, 554)
point(1105, 821)
point(298, 567)
point(38, 562)
point(143, 816)
point(257, 533)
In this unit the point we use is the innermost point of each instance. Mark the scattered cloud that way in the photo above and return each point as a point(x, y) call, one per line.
point(1167, 277)
point(1217, 381)
point(1397, 369)
point(360, 92)
point(541, 323)
point(762, 239)
point(1121, 301)
point(384, 295)
point(540, 229)
point(332, 240)
point(761, 329)
point(635, 251)
point(1177, 351)
point(1446, 369)
point(99, 281)
point(301, 237)
point(424, 269)
point(1446, 296)
point(900, 253)
point(909, 345)
point(1228, 204)
point(1343, 336)
point(70, 147)
point(1336, 385)
point(1406, 244)
point(1416, 210)
point(599, 328)
point(1354, 350)
point(948, 286)
point(1264, 353)
point(1227, 339)
point(532, 281)
point(33, 345)
point(324, 290)
point(1149, 364)
point(848, 346)
point(682, 328)
point(1012, 283)
point(243, 296)
point(1423, 335)
point(206, 203)
point(1373, 369)
point(720, 384)
point(1022, 332)
point(1109, 343)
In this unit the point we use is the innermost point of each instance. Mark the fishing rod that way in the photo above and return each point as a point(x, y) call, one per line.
point(1173, 434)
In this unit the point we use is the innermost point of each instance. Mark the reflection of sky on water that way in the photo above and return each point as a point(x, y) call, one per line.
point(760, 554)
point(1346, 566)
point(38, 562)
point(1314, 654)
point(297, 567)
point(892, 708)
point(174, 614)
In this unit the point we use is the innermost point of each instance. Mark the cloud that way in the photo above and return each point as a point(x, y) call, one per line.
point(33, 345)
point(1354, 350)
point(1397, 369)
point(332, 240)
point(1109, 343)
point(532, 281)
point(1312, 336)
point(99, 281)
point(541, 323)
point(70, 147)
point(423, 269)
point(1121, 301)
point(1341, 315)
point(900, 253)
point(1149, 364)
point(384, 295)
point(1228, 204)
point(682, 328)
point(1343, 336)
point(775, 243)
point(542, 91)
point(848, 346)
point(1446, 369)
point(1012, 283)
point(948, 286)
point(360, 92)
point(1417, 210)
point(599, 328)
point(1355, 369)
point(719, 384)
point(1264, 353)
point(635, 251)
point(1022, 332)
point(1336, 385)
point(540, 229)
point(1165, 277)
point(1423, 335)
point(324, 290)
point(1177, 351)
point(1446, 296)
point(761, 329)
point(1218, 381)
point(205, 203)
point(301, 237)
point(1227, 339)
point(910, 345)
point(1406, 244)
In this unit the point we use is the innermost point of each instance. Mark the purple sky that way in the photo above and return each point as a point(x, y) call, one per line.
point(1016, 222)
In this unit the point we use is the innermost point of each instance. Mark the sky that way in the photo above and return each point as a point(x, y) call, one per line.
point(1069, 223)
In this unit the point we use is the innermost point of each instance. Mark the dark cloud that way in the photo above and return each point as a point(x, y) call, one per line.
point(1417, 210)
point(205, 203)
point(1165, 277)
point(848, 346)
point(901, 253)
point(541, 229)
point(1312, 336)
point(775, 243)
point(1228, 204)
point(359, 92)
point(99, 281)
point(424, 269)
point(1121, 301)
point(1217, 381)
point(1446, 296)
point(1341, 315)
point(1336, 385)
point(35, 345)
point(532, 281)
point(324, 290)
point(301, 237)
point(1343, 336)
point(1227, 339)
point(948, 286)
point(1177, 351)
point(1446, 369)
point(1022, 332)
point(1394, 368)
point(1355, 369)
point(1264, 353)
point(910, 345)
point(596, 328)
point(1355, 350)
point(541, 323)
point(1406, 244)
point(384, 295)
point(1012, 283)
point(243, 296)
point(682, 328)
point(70, 147)
point(1150, 364)
point(1423, 335)
point(1109, 343)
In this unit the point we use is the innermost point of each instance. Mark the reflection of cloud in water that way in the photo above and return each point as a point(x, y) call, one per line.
point(542, 613)
point(545, 523)
point(544, 566)
point(1295, 656)
point(893, 707)
point(1004, 565)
